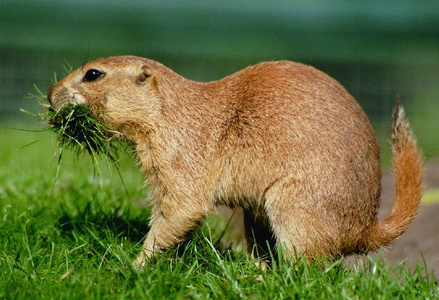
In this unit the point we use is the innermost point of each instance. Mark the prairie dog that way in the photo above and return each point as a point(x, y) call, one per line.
point(282, 140)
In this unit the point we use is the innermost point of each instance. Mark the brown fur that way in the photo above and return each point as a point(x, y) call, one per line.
point(282, 140)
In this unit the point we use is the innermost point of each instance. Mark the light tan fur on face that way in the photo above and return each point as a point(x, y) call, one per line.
point(282, 140)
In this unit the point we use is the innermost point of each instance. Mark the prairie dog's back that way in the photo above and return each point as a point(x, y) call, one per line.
point(280, 108)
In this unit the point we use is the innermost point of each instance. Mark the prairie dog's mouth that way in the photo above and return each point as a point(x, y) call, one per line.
point(59, 103)
point(60, 96)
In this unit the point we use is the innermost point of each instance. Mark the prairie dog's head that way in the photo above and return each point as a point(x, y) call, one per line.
point(121, 91)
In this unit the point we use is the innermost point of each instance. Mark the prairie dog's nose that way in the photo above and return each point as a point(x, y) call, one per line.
point(58, 96)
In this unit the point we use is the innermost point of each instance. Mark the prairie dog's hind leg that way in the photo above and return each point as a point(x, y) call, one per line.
point(299, 227)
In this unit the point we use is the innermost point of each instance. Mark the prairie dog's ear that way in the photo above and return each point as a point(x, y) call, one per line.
point(146, 73)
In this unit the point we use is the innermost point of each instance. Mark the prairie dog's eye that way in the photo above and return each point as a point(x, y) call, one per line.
point(93, 75)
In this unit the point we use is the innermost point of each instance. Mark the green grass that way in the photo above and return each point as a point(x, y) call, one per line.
point(75, 237)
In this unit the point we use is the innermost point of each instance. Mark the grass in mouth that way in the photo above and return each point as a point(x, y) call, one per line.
point(77, 130)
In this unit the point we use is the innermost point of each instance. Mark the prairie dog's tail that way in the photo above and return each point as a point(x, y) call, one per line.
point(408, 170)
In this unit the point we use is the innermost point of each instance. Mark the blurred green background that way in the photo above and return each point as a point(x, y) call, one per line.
point(376, 49)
